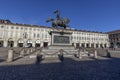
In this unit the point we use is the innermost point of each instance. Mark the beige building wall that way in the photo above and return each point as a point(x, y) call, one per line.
point(13, 35)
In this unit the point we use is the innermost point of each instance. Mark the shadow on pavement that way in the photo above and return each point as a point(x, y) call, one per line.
point(2, 60)
point(69, 69)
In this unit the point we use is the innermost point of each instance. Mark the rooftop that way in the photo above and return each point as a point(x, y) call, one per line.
point(28, 25)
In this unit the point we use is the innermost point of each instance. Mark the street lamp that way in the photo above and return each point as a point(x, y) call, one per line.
point(25, 39)
point(22, 53)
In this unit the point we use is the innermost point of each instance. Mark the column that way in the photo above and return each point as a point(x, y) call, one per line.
point(80, 44)
point(75, 45)
point(98, 45)
point(107, 45)
point(49, 43)
point(33, 44)
point(85, 45)
point(41, 44)
point(103, 45)
point(94, 45)
point(15, 43)
point(90, 45)
point(5, 43)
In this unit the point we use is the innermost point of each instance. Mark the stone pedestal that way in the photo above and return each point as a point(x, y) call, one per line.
point(5, 43)
point(10, 56)
point(80, 55)
point(61, 38)
point(28, 51)
point(95, 54)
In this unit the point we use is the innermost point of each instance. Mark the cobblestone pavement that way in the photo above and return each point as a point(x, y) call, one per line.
point(53, 69)
point(69, 69)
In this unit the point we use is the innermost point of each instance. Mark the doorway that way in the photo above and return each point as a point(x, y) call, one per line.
point(1, 43)
point(37, 45)
point(77, 45)
point(10, 43)
point(45, 44)
point(20, 44)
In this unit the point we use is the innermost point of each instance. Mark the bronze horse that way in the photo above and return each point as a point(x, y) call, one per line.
point(62, 22)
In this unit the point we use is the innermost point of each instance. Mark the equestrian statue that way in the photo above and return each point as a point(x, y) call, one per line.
point(59, 22)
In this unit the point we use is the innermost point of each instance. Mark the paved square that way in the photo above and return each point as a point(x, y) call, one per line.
point(53, 69)
point(69, 69)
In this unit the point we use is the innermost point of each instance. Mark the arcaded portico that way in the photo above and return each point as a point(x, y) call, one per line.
point(12, 35)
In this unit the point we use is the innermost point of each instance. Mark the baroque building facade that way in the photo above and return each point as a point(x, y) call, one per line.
point(12, 35)
point(114, 37)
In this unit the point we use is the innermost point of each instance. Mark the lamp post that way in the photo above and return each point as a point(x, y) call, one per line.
point(22, 53)
point(25, 39)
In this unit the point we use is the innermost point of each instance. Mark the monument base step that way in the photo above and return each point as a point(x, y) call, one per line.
point(66, 47)
point(56, 56)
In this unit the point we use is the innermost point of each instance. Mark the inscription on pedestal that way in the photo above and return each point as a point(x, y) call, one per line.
point(61, 39)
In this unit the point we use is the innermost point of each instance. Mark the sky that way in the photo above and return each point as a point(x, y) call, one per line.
point(93, 15)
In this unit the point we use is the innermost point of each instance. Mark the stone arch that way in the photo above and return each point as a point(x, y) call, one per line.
point(10, 42)
point(92, 45)
point(37, 43)
point(87, 44)
point(97, 45)
point(72, 43)
point(1, 42)
point(118, 44)
point(77, 44)
point(101, 45)
point(29, 42)
point(20, 42)
point(83, 44)
point(105, 45)
point(112, 45)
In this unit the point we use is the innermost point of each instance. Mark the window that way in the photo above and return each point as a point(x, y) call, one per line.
point(21, 28)
point(34, 29)
point(30, 28)
point(45, 35)
point(79, 38)
point(25, 28)
point(12, 27)
point(17, 27)
point(71, 37)
point(38, 35)
point(34, 35)
point(2, 26)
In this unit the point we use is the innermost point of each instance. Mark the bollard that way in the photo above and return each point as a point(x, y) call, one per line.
point(38, 58)
point(22, 53)
point(79, 54)
point(61, 55)
point(28, 51)
point(95, 54)
point(108, 54)
point(36, 52)
point(31, 50)
point(10, 55)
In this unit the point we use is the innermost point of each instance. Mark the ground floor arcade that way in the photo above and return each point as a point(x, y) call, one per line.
point(38, 43)
point(90, 45)
point(21, 43)
point(115, 44)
